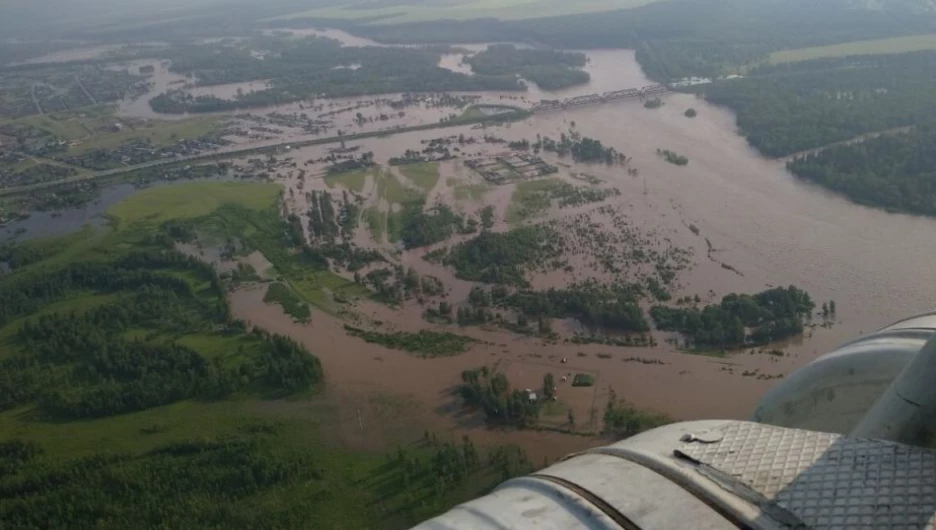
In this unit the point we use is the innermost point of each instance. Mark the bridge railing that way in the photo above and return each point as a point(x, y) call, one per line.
point(587, 99)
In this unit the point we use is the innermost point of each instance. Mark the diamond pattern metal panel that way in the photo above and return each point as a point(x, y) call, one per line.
point(826, 480)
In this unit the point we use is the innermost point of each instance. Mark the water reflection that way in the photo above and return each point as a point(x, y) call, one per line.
point(69, 220)
point(61, 222)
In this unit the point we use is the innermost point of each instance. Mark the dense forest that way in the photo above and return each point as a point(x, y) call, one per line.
point(549, 69)
point(83, 365)
point(739, 319)
point(893, 171)
point(786, 109)
point(313, 67)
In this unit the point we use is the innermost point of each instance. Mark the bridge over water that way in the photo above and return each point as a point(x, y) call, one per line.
point(589, 99)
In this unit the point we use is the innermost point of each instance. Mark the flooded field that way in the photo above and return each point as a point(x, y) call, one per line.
point(46, 224)
point(769, 227)
point(756, 226)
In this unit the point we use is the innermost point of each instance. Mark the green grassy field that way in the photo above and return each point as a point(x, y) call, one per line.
point(190, 200)
point(472, 113)
point(424, 175)
point(393, 192)
point(528, 199)
point(376, 223)
point(353, 180)
point(315, 285)
point(866, 47)
point(404, 11)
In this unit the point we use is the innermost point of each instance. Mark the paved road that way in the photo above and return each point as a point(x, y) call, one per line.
point(85, 90)
point(36, 100)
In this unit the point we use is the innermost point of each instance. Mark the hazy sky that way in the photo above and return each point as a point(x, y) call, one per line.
point(32, 18)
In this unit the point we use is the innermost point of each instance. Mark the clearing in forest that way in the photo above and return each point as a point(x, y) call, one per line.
point(893, 45)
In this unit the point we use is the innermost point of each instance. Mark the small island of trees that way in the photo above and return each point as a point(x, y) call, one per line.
point(739, 319)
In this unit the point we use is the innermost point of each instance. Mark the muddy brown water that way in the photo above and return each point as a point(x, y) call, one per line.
point(771, 227)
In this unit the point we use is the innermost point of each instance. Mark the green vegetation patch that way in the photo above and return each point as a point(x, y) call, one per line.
point(739, 319)
point(184, 465)
point(607, 308)
point(395, 12)
point(421, 228)
point(530, 199)
point(280, 293)
point(190, 200)
point(904, 44)
point(391, 190)
point(425, 343)
point(891, 171)
point(352, 180)
point(376, 223)
point(311, 67)
point(156, 133)
point(622, 419)
point(424, 174)
point(321, 287)
point(792, 108)
point(501, 257)
point(673, 158)
point(490, 391)
point(472, 113)
point(549, 69)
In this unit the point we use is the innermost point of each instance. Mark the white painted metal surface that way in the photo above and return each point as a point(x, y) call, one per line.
point(718, 474)
point(824, 480)
point(834, 392)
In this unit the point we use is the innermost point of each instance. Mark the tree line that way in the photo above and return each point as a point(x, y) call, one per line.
point(549, 69)
point(739, 319)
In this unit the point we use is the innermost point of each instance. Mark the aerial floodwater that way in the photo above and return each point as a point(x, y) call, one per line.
point(758, 226)
point(390, 254)
point(755, 227)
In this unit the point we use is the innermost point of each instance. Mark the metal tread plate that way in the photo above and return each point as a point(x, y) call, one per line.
point(827, 481)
